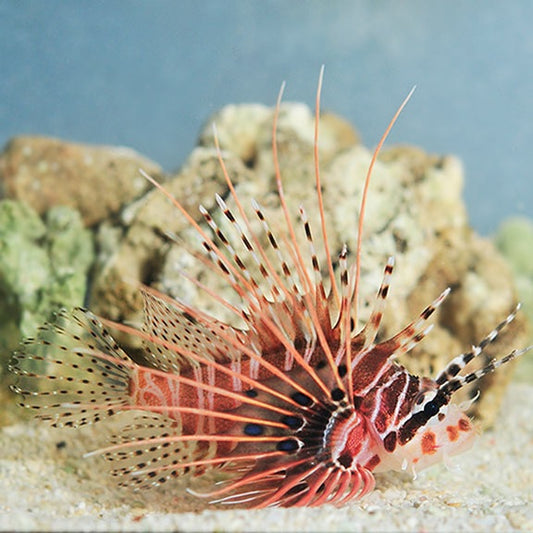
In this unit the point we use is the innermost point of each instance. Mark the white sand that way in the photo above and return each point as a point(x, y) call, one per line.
point(490, 489)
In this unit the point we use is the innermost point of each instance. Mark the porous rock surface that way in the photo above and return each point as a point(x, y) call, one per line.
point(95, 180)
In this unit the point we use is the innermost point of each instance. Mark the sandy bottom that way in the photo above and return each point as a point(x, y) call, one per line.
point(45, 484)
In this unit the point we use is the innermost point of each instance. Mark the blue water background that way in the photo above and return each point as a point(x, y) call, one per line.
point(147, 74)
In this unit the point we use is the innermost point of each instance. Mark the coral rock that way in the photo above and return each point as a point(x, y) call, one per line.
point(95, 180)
point(43, 267)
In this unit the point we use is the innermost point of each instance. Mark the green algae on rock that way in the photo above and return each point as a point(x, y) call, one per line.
point(43, 267)
point(514, 239)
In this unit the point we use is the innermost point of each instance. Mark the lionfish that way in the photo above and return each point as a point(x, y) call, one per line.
point(296, 408)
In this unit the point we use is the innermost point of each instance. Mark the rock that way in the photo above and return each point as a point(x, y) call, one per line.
point(96, 180)
point(135, 248)
point(239, 127)
point(43, 267)
point(514, 239)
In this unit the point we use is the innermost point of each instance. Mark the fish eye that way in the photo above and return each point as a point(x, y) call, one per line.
point(431, 409)
point(426, 402)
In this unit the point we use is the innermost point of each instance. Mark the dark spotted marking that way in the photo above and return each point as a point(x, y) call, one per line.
point(453, 433)
point(464, 425)
point(427, 312)
point(288, 445)
point(344, 277)
point(293, 422)
point(429, 443)
point(308, 231)
point(345, 460)
point(253, 430)
point(321, 364)
point(189, 317)
point(389, 442)
point(302, 399)
point(343, 370)
point(272, 240)
point(337, 395)
point(229, 215)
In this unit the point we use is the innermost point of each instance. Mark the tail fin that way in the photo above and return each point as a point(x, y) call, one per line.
point(72, 372)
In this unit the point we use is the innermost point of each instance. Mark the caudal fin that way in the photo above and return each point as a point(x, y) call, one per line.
point(72, 372)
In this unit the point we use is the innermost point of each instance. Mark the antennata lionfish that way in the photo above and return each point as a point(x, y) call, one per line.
point(297, 407)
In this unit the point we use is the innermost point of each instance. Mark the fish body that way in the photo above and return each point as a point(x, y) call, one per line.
point(296, 407)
